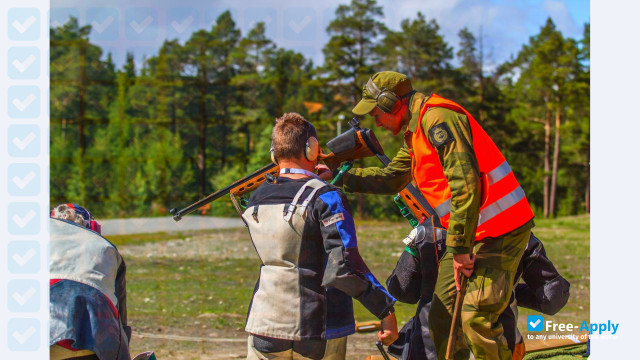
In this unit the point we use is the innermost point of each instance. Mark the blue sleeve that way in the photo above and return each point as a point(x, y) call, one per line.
point(345, 269)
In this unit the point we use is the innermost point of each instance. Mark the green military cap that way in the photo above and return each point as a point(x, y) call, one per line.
point(398, 84)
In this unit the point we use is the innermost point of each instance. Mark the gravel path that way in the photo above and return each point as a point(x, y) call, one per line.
point(166, 224)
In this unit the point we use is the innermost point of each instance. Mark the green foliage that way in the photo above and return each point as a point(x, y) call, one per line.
point(198, 115)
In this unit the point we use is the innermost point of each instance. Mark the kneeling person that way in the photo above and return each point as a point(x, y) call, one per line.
point(304, 234)
point(87, 293)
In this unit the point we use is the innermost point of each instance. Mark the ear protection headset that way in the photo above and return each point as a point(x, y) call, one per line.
point(311, 148)
point(386, 99)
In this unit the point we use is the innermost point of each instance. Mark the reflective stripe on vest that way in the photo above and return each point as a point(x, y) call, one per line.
point(444, 208)
point(502, 191)
point(498, 173)
point(501, 205)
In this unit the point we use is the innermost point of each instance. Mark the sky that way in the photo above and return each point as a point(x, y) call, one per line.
point(141, 26)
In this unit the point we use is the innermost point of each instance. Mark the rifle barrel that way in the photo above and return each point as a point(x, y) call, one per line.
point(178, 214)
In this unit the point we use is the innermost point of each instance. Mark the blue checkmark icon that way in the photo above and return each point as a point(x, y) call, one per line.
point(23, 257)
point(24, 140)
point(24, 24)
point(24, 218)
point(24, 63)
point(23, 296)
point(535, 323)
point(24, 179)
point(24, 102)
point(23, 334)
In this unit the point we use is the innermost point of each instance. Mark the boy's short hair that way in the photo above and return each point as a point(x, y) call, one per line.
point(290, 135)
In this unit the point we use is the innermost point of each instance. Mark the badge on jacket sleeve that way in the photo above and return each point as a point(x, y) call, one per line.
point(440, 135)
point(333, 219)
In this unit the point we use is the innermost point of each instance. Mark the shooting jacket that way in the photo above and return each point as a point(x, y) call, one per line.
point(87, 293)
point(304, 234)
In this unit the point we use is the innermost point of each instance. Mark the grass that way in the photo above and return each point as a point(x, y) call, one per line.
point(566, 353)
point(199, 284)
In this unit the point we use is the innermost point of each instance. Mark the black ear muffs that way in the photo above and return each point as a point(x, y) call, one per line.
point(386, 100)
point(311, 149)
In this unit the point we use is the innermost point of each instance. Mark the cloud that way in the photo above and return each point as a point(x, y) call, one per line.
point(561, 16)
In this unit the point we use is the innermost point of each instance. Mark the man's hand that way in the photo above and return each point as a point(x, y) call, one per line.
point(462, 263)
point(389, 332)
point(324, 172)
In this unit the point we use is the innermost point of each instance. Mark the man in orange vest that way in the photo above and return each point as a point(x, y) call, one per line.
point(471, 187)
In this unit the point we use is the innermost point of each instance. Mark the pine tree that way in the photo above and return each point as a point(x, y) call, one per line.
point(350, 55)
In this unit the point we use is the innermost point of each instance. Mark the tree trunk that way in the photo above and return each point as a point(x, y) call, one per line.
point(481, 80)
point(202, 138)
point(556, 155)
point(547, 141)
point(587, 193)
point(173, 107)
point(82, 97)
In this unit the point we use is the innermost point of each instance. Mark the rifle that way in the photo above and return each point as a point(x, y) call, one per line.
point(352, 144)
point(417, 206)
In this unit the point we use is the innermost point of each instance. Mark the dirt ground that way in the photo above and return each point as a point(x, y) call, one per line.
point(226, 345)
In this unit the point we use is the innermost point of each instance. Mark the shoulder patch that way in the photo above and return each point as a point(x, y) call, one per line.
point(440, 135)
point(333, 219)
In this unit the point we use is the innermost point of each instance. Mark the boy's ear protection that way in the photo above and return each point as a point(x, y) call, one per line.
point(386, 100)
point(311, 150)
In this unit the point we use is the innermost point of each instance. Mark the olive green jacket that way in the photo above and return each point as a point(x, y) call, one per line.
point(458, 161)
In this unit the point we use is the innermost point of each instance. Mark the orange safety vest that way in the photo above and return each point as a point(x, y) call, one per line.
point(504, 206)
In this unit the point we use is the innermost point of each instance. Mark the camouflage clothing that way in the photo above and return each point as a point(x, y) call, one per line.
point(488, 294)
point(491, 285)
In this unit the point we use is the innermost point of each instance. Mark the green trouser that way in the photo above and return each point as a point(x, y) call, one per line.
point(487, 296)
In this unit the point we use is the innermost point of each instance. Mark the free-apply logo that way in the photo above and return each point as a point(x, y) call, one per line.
point(535, 323)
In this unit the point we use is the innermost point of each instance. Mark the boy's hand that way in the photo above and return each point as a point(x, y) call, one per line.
point(389, 332)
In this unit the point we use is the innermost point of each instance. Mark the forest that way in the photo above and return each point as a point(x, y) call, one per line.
point(198, 115)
